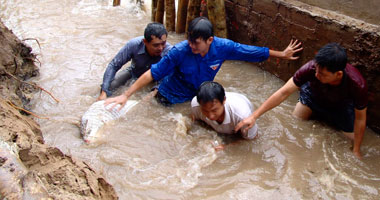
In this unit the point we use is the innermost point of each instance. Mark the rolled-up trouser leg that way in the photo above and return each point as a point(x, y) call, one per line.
point(121, 78)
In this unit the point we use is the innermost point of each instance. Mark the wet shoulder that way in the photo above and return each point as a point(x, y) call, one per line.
point(355, 77)
point(238, 103)
point(194, 102)
point(222, 44)
point(136, 41)
point(182, 46)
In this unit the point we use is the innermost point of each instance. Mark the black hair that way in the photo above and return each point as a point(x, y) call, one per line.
point(199, 27)
point(332, 56)
point(208, 91)
point(156, 29)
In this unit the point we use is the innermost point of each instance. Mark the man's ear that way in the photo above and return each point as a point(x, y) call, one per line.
point(145, 41)
point(339, 74)
point(224, 101)
point(210, 39)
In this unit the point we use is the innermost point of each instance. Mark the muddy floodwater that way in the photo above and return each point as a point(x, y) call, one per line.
point(150, 154)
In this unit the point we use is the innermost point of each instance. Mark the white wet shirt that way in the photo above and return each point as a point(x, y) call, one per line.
point(237, 107)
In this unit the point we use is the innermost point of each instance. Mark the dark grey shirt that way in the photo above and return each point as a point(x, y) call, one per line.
point(141, 61)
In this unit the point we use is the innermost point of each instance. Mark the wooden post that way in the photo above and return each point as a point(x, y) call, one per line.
point(217, 16)
point(181, 16)
point(160, 11)
point(193, 11)
point(116, 2)
point(154, 10)
point(170, 15)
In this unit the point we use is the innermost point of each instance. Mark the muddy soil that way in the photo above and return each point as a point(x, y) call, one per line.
point(29, 169)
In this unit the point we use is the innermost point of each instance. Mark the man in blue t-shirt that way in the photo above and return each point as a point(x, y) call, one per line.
point(191, 62)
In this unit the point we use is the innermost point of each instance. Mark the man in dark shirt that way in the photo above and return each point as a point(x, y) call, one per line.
point(329, 88)
point(143, 51)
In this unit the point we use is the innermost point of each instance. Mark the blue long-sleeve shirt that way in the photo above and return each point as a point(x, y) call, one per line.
point(181, 72)
point(133, 50)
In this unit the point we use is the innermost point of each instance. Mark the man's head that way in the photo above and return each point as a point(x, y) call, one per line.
point(155, 36)
point(200, 35)
point(331, 61)
point(211, 98)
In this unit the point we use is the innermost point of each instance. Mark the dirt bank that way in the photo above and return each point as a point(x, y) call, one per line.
point(29, 169)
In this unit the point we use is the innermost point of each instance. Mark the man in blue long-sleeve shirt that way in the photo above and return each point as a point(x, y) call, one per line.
point(143, 51)
point(198, 59)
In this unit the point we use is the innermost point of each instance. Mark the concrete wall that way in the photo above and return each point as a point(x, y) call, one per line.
point(274, 23)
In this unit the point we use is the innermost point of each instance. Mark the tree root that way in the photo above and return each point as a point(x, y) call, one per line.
point(32, 84)
point(27, 111)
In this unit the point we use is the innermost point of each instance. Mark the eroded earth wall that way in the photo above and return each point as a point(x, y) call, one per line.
point(30, 169)
point(275, 23)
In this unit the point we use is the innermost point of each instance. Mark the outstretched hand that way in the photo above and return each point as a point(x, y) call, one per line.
point(246, 124)
point(293, 47)
point(121, 99)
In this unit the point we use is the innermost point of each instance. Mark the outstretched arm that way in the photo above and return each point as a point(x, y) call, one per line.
point(273, 101)
point(144, 80)
point(359, 128)
point(288, 53)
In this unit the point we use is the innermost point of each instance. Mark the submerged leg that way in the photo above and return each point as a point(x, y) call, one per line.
point(302, 111)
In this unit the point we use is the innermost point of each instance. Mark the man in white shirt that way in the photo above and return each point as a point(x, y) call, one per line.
point(222, 111)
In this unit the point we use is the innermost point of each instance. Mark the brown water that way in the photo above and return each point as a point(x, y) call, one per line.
point(148, 154)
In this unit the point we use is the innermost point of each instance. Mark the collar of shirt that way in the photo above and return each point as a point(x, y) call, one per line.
point(227, 117)
point(141, 49)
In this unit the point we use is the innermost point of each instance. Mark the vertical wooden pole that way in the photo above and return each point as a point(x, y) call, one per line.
point(217, 16)
point(193, 11)
point(181, 16)
point(116, 2)
point(170, 15)
point(154, 10)
point(160, 11)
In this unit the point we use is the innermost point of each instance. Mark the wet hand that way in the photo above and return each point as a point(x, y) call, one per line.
point(119, 100)
point(358, 154)
point(293, 47)
point(246, 124)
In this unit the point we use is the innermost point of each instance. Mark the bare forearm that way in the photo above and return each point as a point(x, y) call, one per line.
point(270, 103)
point(144, 80)
point(277, 54)
point(359, 128)
point(276, 98)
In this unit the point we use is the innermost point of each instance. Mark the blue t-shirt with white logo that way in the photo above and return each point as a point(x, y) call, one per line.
point(181, 72)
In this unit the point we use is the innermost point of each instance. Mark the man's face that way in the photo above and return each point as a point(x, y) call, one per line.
point(327, 77)
point(201, 46)
point(213, 110)
point(156, 45)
